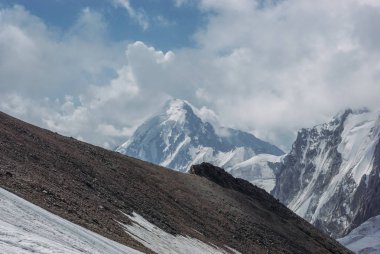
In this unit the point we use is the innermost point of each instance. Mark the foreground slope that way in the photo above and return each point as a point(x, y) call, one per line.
point(331, 177)
point(144, 206)
point(177, 137)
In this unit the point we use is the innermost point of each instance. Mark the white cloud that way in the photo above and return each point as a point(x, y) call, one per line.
point(138, 15)
point(110, 131)
point(90, 25)
point(37, 61)
point(38, 67)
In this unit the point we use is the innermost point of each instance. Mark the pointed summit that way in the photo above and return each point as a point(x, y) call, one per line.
point(177, 138)
point(177, 104)
point(177, 110)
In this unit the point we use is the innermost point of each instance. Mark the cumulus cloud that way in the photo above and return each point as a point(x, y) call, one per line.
point(68, 82)
point(269, 69)
point(38, 61)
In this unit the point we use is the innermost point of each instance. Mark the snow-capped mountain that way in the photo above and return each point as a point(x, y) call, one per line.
point(177, 138)
point(331, 176)
point(260, 170)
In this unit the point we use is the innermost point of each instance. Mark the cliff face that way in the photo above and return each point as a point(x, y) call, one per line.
point(331, 175)
point(367, 197)
point(119, 197)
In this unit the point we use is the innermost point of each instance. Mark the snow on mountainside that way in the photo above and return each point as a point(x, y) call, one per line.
point(177, 138)
point(328, 177)
point(160, 241)
point(364, 239)
point(26, 228)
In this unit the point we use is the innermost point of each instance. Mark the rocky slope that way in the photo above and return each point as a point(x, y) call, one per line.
point(177, 138)
point(331, 175)
point(128, 200)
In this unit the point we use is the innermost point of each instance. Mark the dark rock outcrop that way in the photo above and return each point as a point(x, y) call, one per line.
point(226, 180)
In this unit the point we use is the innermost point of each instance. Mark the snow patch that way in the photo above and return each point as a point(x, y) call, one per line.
point(159, 241)
point(176, 111)
point(26, 228)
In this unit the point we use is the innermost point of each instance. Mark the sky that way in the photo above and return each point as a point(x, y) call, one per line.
point(96, 69)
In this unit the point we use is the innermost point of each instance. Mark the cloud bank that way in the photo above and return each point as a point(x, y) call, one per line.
point(266, 68)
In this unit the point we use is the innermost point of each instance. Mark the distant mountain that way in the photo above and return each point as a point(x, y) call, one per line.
point(177, 138)
point(259, 170)
point(331, 176)
point(144, 206)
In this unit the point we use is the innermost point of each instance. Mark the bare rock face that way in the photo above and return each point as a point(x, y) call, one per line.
point(367, 196)
point(100, 190)
point(331, 175)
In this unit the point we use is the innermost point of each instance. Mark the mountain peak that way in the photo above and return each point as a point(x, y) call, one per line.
point(178, 137)
point(177, 103)
point(176, 110)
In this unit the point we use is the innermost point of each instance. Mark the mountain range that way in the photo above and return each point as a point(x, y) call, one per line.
point(83, 194)
point(330, 177)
